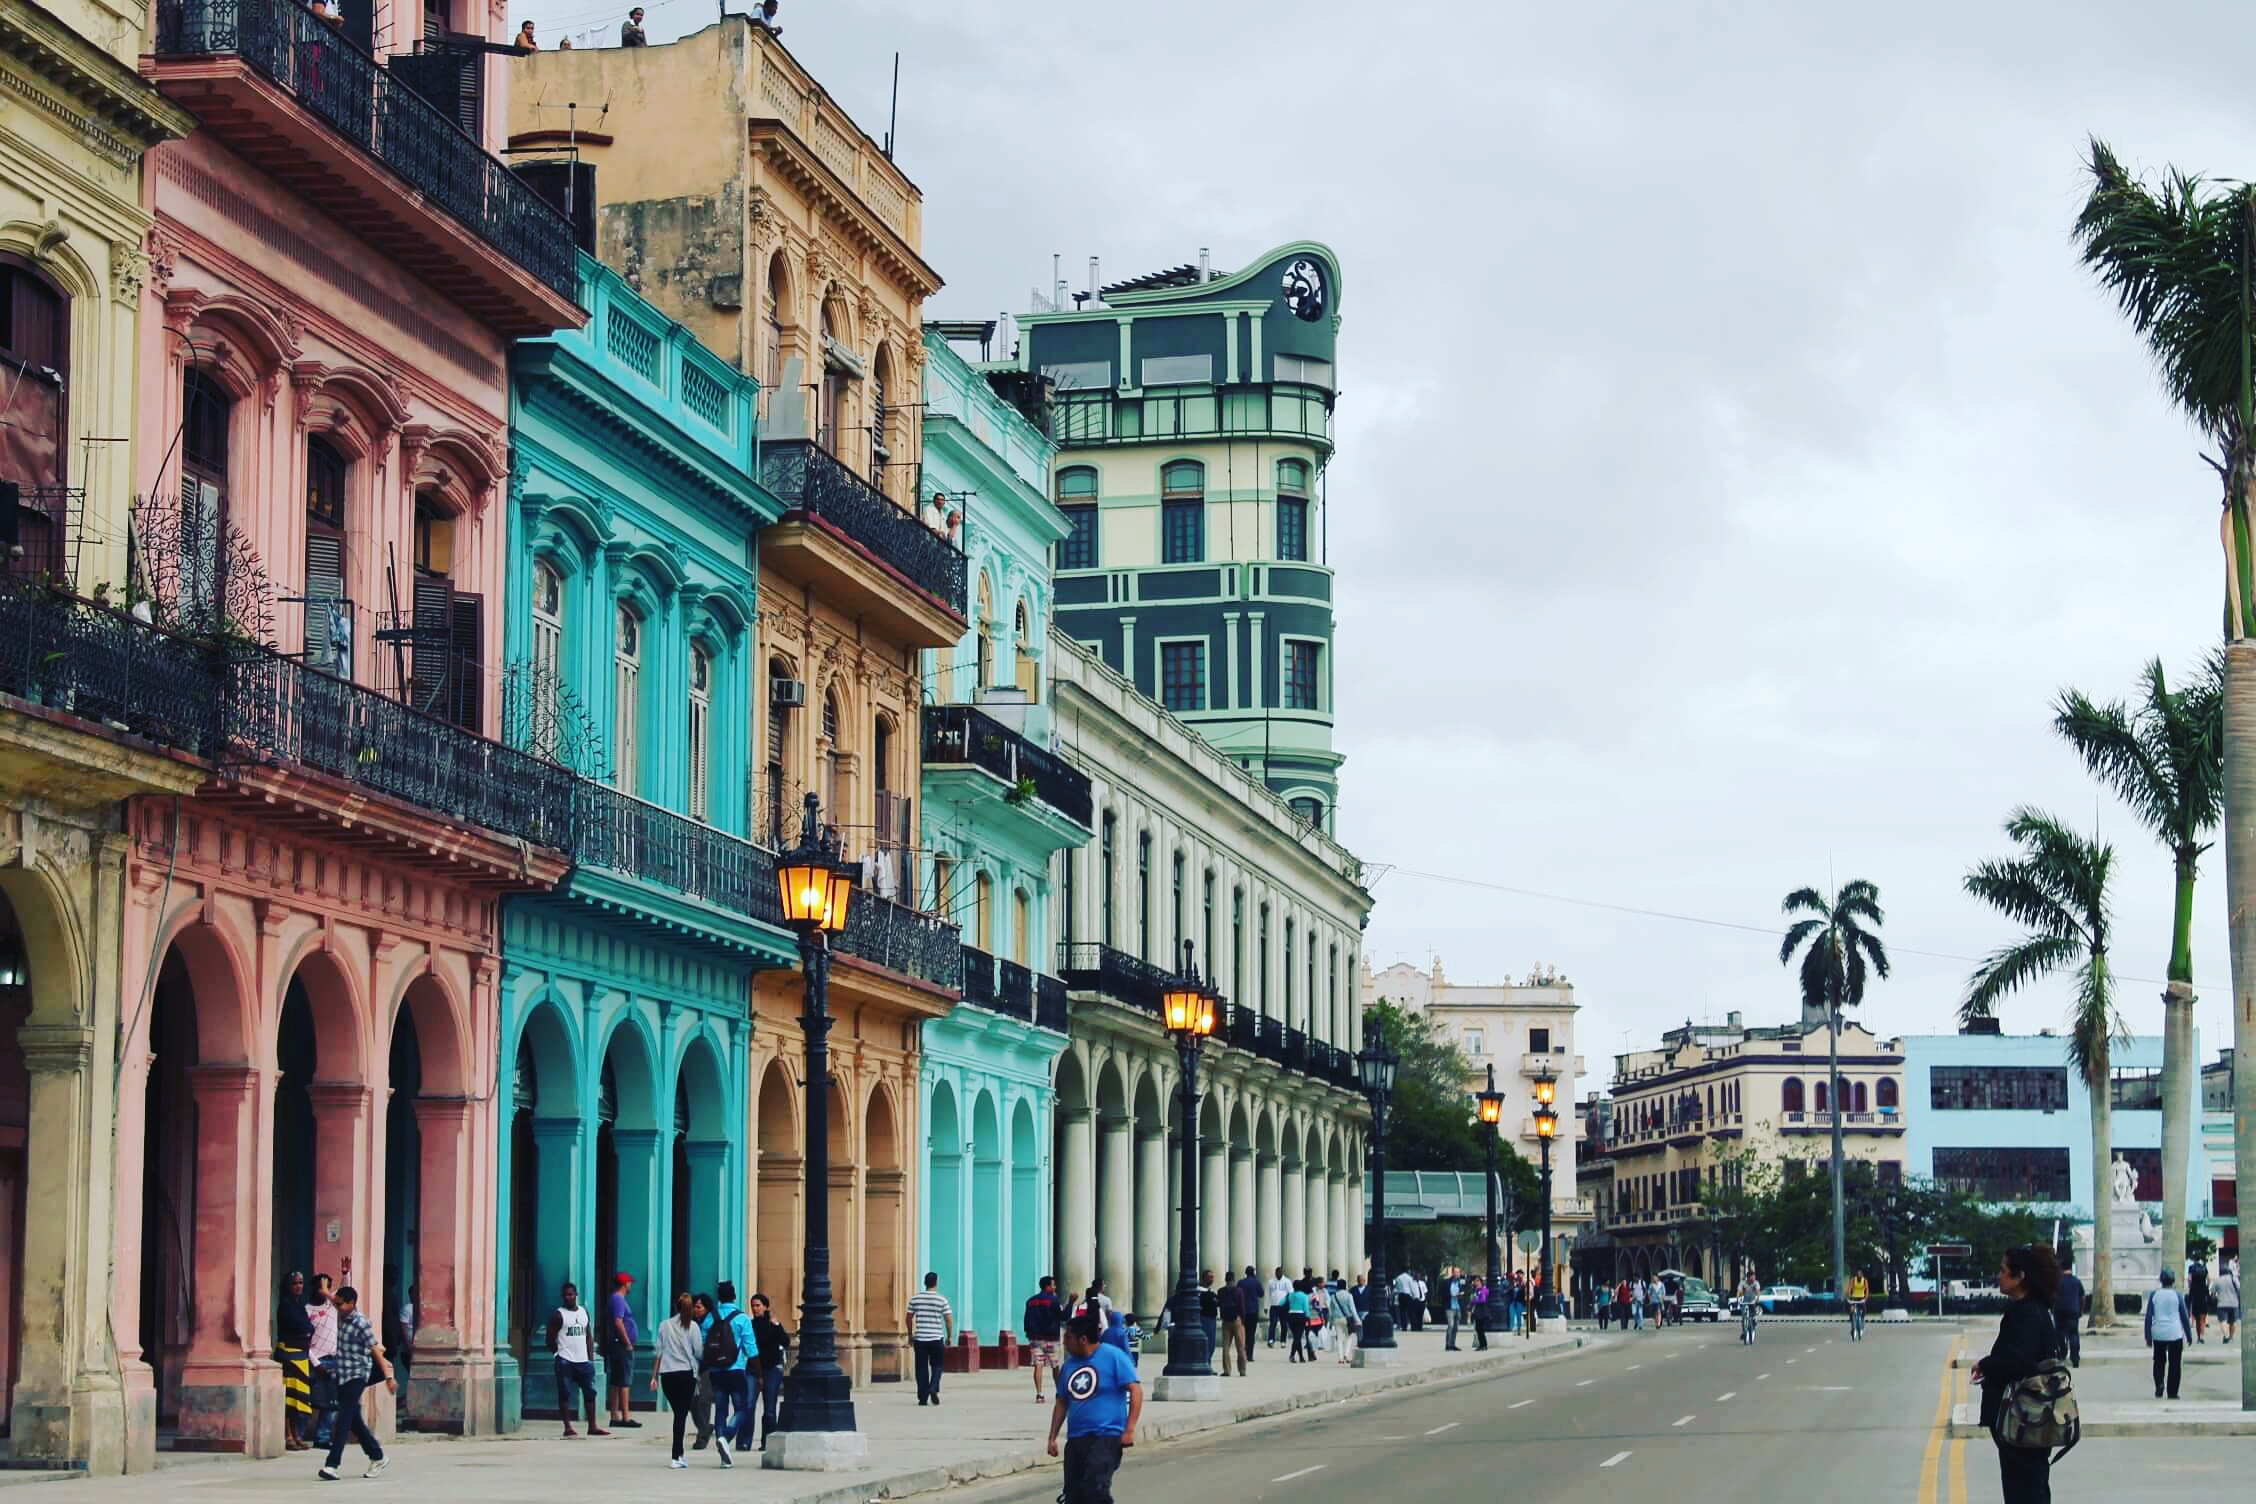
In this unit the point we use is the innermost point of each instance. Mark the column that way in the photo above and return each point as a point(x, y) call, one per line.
point(1077, 1200)
point(344, 1125)
point(643, 1223)
point(709, 1262)
point(1295, 1212)
point(986, 1295)
point(57, 1265)
point(1344, 1252)
point(1319, 1222)
point(1269, 1235)
point(1243, 1250)
point(227, 1395)
point(1116, 1221)
point(447, 1384)
point(1153, 1271)
point(1214, 1210)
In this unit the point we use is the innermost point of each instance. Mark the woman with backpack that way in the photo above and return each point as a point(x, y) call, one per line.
point(2027, 1277)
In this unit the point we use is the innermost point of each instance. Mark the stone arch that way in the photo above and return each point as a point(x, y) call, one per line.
point(1026, 1201)
point(946, 1191)
point(699, 1166)
point(884, 1211)
point(777, 1206)
point(988, 1292)
point(546, 1138)
point(629, 1138)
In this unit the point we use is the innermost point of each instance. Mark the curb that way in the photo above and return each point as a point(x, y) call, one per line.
point(950, 1475)
point(2100, 1422)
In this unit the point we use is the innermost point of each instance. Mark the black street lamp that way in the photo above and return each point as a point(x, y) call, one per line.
point(1189, 1007)
point(1375, 1065)
point(1491, 1113)
point(1546, 1129)
point(815, 1428)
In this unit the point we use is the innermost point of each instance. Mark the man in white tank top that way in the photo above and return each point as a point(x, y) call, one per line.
point(570, 1331)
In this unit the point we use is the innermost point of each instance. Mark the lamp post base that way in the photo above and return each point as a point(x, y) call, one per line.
point(817, 1451)
point(1377, 1357)
point(1187, 1386)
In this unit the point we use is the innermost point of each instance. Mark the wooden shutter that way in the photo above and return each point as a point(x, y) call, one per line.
point(434, 630)
point(328, 615)
point(199, 550)
point(466, 663)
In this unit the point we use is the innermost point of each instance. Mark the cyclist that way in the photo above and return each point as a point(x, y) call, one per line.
point(1859, 1293)
point(1750, 1303)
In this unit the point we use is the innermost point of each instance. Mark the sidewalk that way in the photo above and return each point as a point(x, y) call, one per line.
point(2115, 1394)
point(988, 1426)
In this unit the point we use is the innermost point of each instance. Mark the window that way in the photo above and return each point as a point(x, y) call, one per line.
point(1858, 1101)
point(449, 624)
point(2025, 1174)
point(626, 658)
point(1476, 1042)
point(1237, 941)
point(1080, 375)
point(34, 396)
point(1310, 812)
point(1177, 370)
point(1886, 1094)
point(831, 408)
point(1539, 1041)
point(982, 920)
point(834, 760)
point(943, 874)
point(1078, 548)
point(1308, 372)
point(1182, 513)
point(1143, 894)
point(1182, 675)
point(1998, 1088)
point(1021, 927)
point(1177, 935)
point(2134, 1090)
point(207, 413)
point(771, 303)
point(1206, 937)
point(1292, 510)
point(1288, 969)
point(1331, 996)
point(1029, 672)
point(1303, 671)
point(780, 833)
point(1069, 889)
point(986, 640)
point(1817, 1095)
point(1261, 962)
point(328, 615)
point(1104, 894)
point(1790, 1095)
point(700, 734)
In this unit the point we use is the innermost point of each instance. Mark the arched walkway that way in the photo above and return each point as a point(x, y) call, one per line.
point(1074, 1156)
point(700, 1178)
point(945, 1191)
point(1153, 1278)
point(627, 1172)
point(548, 1193)
point(1027, 1209)
point(775, 1265)
point(987, 1293)
point(885, 1296)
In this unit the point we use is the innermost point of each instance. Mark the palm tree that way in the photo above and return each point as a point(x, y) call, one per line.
point(1840, 947)
point(2164, 760)
point(2181, 261)
point(2057, 889)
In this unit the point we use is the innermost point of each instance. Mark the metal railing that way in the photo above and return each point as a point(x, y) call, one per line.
point(1244, 1029)
point(101, 665)
point(1296, 1049)
point(360, 100)
point(631, 835)
point(1115, 973)
point(1271, 1044)
point(1172, 414)
point(805, 477)
point(1015, 994)
point(1052, 1008)
point(897, 937)
point(967, 734)
point(978, 977)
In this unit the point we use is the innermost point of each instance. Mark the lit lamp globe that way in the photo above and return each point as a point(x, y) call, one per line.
point(817, 890)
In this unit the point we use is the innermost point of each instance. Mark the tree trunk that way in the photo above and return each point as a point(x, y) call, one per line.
point(1833, 1100)
point(2240, 908)
point(2178, 1070)
point(2101, 1085)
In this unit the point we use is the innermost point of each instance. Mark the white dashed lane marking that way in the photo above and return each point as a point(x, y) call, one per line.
point(1727, 1394)
point(1451, 1426)
point(1760, 1377)
point(1584, 1383)
point(1304, 1472)
point(1615, 1460)
point(1634, 1367)
point(1685, 1420)
point(1519, 1404)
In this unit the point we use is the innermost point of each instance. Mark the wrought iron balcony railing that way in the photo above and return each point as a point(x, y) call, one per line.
point(1296, 1049)
point(1115, 973)
point(626, 834)
point(359, 99)
point(1245, 1029)
point(1015, 996)
point(100, 664)
point(897, 937)
point(1271, 1044)
point(806, 478)
point(978, 977)
point(1052, 1008)
point(967, 734)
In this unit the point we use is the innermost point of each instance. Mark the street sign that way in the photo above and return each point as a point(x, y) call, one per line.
point(1949, 1250)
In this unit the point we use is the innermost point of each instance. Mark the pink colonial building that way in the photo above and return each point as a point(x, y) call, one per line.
point(338, 266)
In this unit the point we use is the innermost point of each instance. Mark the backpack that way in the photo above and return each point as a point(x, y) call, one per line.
point(2039, 1411)
point(721, 1348)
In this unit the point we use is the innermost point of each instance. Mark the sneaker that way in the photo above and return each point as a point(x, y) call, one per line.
point(596, 1431)
point(720, 1445)
point(376, 1468)
point(676, 1463)
point(327, 1474)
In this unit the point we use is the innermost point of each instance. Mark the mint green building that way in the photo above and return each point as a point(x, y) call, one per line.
point(997, 808)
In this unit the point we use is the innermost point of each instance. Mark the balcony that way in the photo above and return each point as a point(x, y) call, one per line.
point(848, 541)
point(1052, 1009)
point(1851, 1122)
point(100, 665)
point(963, 736)
point(1170, 415)
point(1115, 974)
point(978, 977)
point(892, 935)
point(1015, 990)
point(624, 834)
point(1561, 1066)
point(293, 96)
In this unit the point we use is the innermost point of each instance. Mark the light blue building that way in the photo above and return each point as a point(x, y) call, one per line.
point(998, 807)
point(2008, 1118)
point(626, 993)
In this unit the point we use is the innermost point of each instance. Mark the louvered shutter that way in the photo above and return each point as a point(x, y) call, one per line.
point(199, 551)
point(434, 629)
point(465, 664)
point(328, 615)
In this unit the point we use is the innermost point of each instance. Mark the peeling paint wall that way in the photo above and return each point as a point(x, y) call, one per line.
point(686, 255)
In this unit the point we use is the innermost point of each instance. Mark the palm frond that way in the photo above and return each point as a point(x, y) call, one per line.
point(2014, 889)
point(1859, 899)
point(2119, 756)
point(2012, 967)
point(1819, 986)
point(1806, 901)
point(2093, 1023)
point(1801, 930)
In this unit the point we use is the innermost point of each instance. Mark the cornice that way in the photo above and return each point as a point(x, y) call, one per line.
point(839, 207)
point(118, 102)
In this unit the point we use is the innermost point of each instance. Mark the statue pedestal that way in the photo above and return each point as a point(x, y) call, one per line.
point(2137, 1254)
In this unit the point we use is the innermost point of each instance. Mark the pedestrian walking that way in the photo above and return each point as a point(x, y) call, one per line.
point(1251, 1294)
point(1278, 1292)
point(2197, 1297)
point(1043, 1322)
point(680, 1342)
point(729, 1352)
point(1605, 1305)
point(359, 1361)
point(620, 1335)
point(1348, 1309)
point(2067, 1317)
point(1750, 1306)
point(1210, 1309)
point(1296, 1322)
point(1482, 1299)
point(770, 1344)
point(2169, 1322)
point(1319, 1319)
point(321, 1353)
point(2028, 1276)
point(2227, 1290)
point(293, 1336)
point(932, 1326)
point(1099, 1403)
point(1229, 1344)
point(571, 1336)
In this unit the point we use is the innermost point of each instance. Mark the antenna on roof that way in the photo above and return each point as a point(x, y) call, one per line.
point(894, 118)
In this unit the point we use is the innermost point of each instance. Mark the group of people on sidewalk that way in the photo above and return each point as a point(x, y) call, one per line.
point(715, 1363)
point(330, 1354)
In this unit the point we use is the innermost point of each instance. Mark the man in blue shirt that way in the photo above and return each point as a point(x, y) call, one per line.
point(1099, 1403)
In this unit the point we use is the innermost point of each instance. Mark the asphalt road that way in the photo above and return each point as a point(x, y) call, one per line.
point(1686, 1416)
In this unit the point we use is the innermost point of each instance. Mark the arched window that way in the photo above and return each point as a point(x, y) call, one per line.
point(1022, 653)
point(780, 685)
point(1818, 1095)
point(449, 623)
point(1310, 811)
point(1292, 509)
point(943, 875)
point(1886, 1094)
point(986, 655)
point(626, 724)
point(1857, 1098)
point(1182, 513)
point(832, 416)
point(1022, 922)
point(774, 302)
point(1790, 1094)
point(1291, 1018)
point(880, 419)
point(700, 732)
point(834, 761)
point(34, 417)
point(328, 615)
point(207, 413)
point(1077, 499)
point(982, 919)
point(548, 656)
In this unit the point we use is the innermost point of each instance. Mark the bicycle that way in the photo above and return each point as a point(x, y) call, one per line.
point(1747, 1311)
point(1856, 1321)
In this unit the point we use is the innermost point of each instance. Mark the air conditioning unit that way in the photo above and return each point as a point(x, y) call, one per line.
point(787, 694)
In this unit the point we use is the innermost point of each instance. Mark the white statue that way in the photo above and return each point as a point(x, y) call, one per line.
point(2126, 1182)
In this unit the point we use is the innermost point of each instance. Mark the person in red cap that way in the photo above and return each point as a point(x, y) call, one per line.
point(619, 1350)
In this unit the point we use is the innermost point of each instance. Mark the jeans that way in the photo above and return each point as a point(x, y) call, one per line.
point(2167, 1357)
point(1090, 1462)
point(350, 1423)
point(929, 1356)
point(732, 1395)
point(1856, 1321)
point(1637, 1316)
point(681, 1398)
point(770, 1385)
point(1456, 1319)
point(1603, 1313)
point(1230, 1350)
point(1747, 1322)
point(2071, 1340)
point(1211, 1324)
point(1276, 1325)
point(2025, 1473)
point(322, 1382)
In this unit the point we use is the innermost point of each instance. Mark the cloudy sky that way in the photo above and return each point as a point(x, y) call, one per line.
point(1734, 459)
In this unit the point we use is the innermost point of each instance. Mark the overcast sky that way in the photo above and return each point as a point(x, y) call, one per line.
point(1734, 459)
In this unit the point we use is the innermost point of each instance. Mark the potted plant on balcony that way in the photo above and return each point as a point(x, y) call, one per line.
point(1021, 792)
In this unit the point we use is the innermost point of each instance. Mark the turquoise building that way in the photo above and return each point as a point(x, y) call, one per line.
point(626, 993)
point(998, 808)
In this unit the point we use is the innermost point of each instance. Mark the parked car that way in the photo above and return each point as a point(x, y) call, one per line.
point(1782, 1295)
point(1695, 1301)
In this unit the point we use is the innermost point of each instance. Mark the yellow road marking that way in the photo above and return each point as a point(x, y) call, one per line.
point(1958, 1448)
point(1930, 1462)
